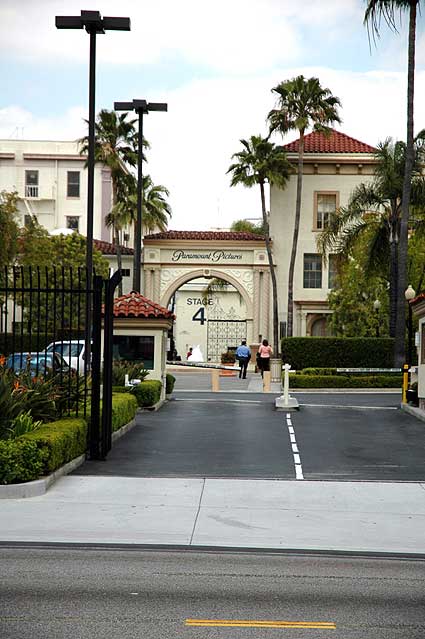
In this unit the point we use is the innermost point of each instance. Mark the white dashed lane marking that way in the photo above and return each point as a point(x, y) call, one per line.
point(295, 451)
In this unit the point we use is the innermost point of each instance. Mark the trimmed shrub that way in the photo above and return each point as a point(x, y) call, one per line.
point(124, 407)
point(170, 381)
point(121, 389)
point(20, 461)
point(60, 442)
point(338, 352)
point(148, 393)
point(345, 381)
point(318, 371)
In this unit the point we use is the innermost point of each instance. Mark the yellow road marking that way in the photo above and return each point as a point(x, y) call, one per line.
point(254, 623)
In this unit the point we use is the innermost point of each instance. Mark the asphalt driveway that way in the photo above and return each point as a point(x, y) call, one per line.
point(338, 437)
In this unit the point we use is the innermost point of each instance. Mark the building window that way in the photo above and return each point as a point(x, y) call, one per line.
point(312, 270)
point(137, 349)
point(325, 205)
point(73, 185)
point(332, 271)
point(31, 183)
point(73, 222)
point(27, 219)
point(125, 272)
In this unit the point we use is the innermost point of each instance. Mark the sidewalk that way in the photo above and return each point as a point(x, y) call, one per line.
point(336, 516)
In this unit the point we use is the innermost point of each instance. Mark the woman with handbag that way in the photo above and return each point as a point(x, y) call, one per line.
point(263, 356)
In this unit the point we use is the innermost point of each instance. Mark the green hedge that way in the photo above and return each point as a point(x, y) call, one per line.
point(345, 381)
point(148, 393)
point(121, 389)
point(170, 381)
point(124, 407)
point(52, 445)
point(60, 441)
point(20, 461)
point(338, 352)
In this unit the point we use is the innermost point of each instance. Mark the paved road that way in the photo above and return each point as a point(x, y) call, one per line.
point(337, 437)
point(88, 594)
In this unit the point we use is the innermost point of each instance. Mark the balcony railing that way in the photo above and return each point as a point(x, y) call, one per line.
point(31, 190)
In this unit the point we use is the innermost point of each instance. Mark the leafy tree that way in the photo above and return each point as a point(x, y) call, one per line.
point(375, 11)
point(259, 162)
point(50, 262)
point(373, 214)
point(8, 227)
point(246, 226)
point(302, 103)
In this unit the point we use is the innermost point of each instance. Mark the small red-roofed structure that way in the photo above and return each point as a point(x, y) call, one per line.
point(141, 329)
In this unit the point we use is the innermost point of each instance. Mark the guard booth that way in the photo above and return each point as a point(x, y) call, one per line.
point(140, 334)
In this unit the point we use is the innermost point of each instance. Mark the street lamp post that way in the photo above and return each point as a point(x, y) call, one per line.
point(409, 294)
point(141, 107)
point(377, 306)
point(94, 24)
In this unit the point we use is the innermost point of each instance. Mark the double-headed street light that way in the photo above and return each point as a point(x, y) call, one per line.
point(94, 24)
point(141, 107)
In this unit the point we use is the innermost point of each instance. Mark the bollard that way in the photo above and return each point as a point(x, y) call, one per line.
point(405, 383)
point(215, 380)
point(285, 401)
point(267, 378)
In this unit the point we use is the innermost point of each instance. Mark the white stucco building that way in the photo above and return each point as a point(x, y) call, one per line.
point(51, 181)
point(333, 167)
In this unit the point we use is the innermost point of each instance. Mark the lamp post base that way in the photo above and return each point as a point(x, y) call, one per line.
point(291, 404)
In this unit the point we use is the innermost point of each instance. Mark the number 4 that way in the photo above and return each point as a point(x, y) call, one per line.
point(199, 316)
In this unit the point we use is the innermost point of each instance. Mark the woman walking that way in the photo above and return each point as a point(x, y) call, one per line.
point(264, 353)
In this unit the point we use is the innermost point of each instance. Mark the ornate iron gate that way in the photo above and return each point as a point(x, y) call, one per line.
point(222, 335)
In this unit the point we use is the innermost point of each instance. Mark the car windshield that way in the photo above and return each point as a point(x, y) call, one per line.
point(67, 349)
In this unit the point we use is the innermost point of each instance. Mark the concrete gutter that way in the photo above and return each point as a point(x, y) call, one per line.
point(414, 410)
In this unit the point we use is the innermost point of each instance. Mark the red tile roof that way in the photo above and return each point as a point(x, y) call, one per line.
point(106, 248)
point(206, 235)
point(336, 142)
point(137, 305)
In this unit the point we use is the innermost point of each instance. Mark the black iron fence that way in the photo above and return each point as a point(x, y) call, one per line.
point(43, 314)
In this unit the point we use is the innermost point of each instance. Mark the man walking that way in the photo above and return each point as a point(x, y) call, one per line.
point(243, 354)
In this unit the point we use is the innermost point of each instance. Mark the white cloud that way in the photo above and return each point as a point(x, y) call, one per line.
point(192, 144)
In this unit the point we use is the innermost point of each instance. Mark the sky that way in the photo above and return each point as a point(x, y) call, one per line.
point(215, 64)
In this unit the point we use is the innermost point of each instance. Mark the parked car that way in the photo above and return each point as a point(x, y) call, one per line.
point(72, 351)
point(37, 363)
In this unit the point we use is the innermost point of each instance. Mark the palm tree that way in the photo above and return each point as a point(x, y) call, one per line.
point(375, 11)
point(116, 148)
point(302, 103)
point(156, 210)
point(374, 213)
point(259, 162)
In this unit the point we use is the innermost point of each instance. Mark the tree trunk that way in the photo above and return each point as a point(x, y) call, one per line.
point(399, 347)
point(276, 349)
point(393, 266)
point(117, 238)
point(290, 321)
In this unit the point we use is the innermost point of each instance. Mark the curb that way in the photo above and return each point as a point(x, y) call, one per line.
point(40, 486)
point(413, 410)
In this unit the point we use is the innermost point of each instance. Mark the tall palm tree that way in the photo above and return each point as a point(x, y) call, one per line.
point(116, 148)
point(375, 11)
point(260, 162)
point(374, 213)
point(302, 103)
point(156, 210)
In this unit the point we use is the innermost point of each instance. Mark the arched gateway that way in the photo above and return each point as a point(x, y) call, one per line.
point(173, 258)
